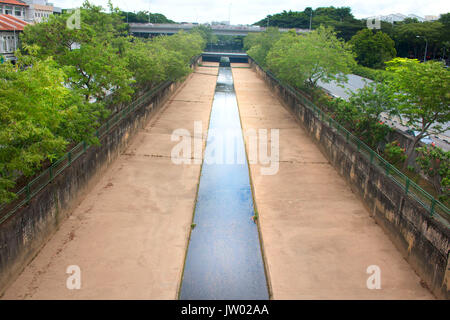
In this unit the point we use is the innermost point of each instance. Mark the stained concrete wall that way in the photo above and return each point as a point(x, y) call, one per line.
point(422, 240)
point(22, 235)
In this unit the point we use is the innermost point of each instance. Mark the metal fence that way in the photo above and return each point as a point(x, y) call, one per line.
point(430, 203)
point(24, 195)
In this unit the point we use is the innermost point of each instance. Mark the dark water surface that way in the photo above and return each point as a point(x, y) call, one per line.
point(224, 258)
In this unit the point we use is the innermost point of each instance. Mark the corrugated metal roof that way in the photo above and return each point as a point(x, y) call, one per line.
point(10, 23)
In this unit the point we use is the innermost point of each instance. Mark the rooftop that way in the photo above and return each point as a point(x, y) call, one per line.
point(10, 23)
point(13, 2)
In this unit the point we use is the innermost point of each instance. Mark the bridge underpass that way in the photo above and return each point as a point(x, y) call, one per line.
point(130, 235)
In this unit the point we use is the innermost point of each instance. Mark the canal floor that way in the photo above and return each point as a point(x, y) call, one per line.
point(224, 259)
point(318, 238)
point(129, 234)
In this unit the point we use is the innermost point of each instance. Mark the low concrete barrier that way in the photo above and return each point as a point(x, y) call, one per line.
point(24, 234)
point(423, 241)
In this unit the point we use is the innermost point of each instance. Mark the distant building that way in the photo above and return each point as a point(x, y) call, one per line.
point(397, 17)
point(38, 10)
point(10, 28)
point(57, 10)
point(14, 8)
point(220, 23)
point(33, 11)
point(431, 18)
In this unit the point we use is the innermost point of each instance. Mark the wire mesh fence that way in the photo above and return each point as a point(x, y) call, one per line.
point(24, 195)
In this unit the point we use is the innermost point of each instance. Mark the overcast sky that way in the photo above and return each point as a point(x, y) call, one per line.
point(250, 11)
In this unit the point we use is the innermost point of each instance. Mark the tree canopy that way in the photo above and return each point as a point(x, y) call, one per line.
point(258, 45)
point(59, 92)
point(346, 26)
point(373, 48)
point(423, 93)
point(144, 17)
point(303, 60)
point(341, 19)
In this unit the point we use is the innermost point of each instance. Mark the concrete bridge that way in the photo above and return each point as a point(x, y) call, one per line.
point(139, 29)
point(150, 227)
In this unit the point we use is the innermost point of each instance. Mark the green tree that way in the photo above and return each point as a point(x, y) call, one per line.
point(373, 100)
point(341, 19)
point(409, 45)
point(39, 117)
point(91, 55)
point(163, 58)
point(303, 60)
point(423, 93)
point(47, 100)
point(144, 17)
point(206, 33)
point(435, 163)
point(187, 45)
point(373, 48)
point(361, 114)
point(259, 45)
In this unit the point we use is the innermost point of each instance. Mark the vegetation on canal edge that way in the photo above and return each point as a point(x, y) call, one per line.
point(57, 95)
point(302, 60)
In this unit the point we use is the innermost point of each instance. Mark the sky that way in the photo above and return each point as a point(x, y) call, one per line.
point(251, 11)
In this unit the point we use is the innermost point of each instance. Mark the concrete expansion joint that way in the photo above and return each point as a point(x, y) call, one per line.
point(159, 156)
point(192, 101)
point(304, 162)
point(207, 74)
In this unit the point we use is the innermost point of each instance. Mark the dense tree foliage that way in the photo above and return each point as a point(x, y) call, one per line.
point(258, 45)
point(410, 46)
point(226, 43)
point(435, 163)
point(206, 32)
point(144, 17)
point(373, 48)
point(90, 55)
point(423, 93)
point(361, 114)
point(403, 33)
point(56, 95)
point(303, 60)
point(417, 92)
point(341, 19)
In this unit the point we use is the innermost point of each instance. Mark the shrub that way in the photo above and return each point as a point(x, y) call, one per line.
point(394, 153)
point(435, 163)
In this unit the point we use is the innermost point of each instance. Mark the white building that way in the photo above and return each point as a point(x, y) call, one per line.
point(10, 28)
point(38, 10)
point(14, 8)
point(431, 18)
point(397, 17)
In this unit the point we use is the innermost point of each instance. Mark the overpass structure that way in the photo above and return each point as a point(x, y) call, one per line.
point(233, 56)
point(139, 29)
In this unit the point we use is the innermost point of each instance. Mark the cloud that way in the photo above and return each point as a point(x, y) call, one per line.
point(250, 11)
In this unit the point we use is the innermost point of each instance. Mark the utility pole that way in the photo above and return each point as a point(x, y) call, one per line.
point(149, 19)
point(426, 48)
point(310, 21)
